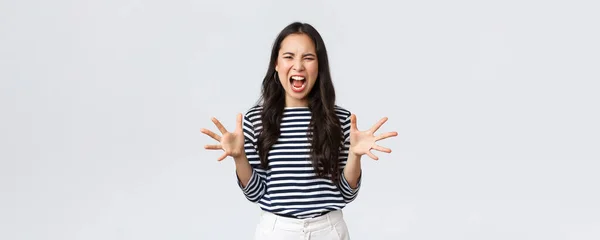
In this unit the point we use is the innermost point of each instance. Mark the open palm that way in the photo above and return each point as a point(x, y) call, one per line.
point(232, 143)
point(361, 142)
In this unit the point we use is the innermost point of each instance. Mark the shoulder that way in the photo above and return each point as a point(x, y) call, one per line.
point(343, 113)
point(252, 118)
point(344, 116)
point(253, 112)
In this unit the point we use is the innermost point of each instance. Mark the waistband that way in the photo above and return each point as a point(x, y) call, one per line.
point(327, 220)
point(311, 216)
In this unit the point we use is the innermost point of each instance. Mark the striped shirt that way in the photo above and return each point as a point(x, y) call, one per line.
point(290, 186)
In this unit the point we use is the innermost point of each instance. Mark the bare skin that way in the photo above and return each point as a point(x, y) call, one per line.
point(361, 143)
point(232, 145)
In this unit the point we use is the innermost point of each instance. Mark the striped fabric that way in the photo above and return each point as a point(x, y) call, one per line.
point(290, 187)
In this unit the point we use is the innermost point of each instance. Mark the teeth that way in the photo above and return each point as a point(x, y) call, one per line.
point(297, 78)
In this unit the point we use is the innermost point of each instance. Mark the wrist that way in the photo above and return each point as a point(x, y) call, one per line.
point(353, 156)
point(240, 159)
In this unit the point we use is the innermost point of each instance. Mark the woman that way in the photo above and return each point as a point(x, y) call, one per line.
point(297, 155)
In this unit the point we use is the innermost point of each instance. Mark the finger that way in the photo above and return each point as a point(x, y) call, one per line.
point(213, 147)
point(382, 149)
point(378, 124)
point(211, 134)
point(222, 157)
point(239, 122)
point(370, 154)
point(353, 122)
point(219, 125)
point(386, 135)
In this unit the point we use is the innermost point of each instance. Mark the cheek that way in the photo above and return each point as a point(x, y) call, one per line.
point(283, 66)
point(313, 70)
point(281, 77)
point(282, 70)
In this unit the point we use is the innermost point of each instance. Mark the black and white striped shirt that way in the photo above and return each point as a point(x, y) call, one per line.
point(290, 187)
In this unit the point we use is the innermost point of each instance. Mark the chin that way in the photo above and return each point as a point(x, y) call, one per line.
point(299, 96)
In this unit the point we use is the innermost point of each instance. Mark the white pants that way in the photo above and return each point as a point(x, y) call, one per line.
point(330, 226)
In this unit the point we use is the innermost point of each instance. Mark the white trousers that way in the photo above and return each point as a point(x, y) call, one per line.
point(330, 226)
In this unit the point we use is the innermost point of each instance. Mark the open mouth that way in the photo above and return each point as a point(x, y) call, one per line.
point(298, 83)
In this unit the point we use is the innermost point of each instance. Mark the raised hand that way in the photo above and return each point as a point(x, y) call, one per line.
point(232, 143)
point(361, 142)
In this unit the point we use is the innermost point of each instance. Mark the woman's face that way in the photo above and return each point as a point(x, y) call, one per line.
point(297, 68)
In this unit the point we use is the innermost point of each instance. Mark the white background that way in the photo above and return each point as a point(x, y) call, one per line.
point(496, 105)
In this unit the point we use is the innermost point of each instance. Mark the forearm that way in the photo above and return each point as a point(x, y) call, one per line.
point(243, 169)
point(352, 170)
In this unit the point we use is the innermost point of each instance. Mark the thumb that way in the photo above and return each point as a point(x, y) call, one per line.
point(353, 122)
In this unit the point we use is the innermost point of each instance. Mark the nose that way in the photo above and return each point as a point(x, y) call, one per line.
point(298, 65)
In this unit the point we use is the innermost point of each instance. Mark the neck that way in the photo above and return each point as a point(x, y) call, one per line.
point(296, 103)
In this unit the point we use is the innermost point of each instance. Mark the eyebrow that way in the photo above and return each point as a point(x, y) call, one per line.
point(305, 55)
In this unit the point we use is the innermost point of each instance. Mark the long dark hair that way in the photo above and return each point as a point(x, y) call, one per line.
point(325, 131)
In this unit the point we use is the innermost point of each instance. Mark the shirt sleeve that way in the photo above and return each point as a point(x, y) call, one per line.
point(348, 193)
point(256, 187)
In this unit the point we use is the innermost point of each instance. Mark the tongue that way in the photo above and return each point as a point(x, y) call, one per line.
point(298, 83)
